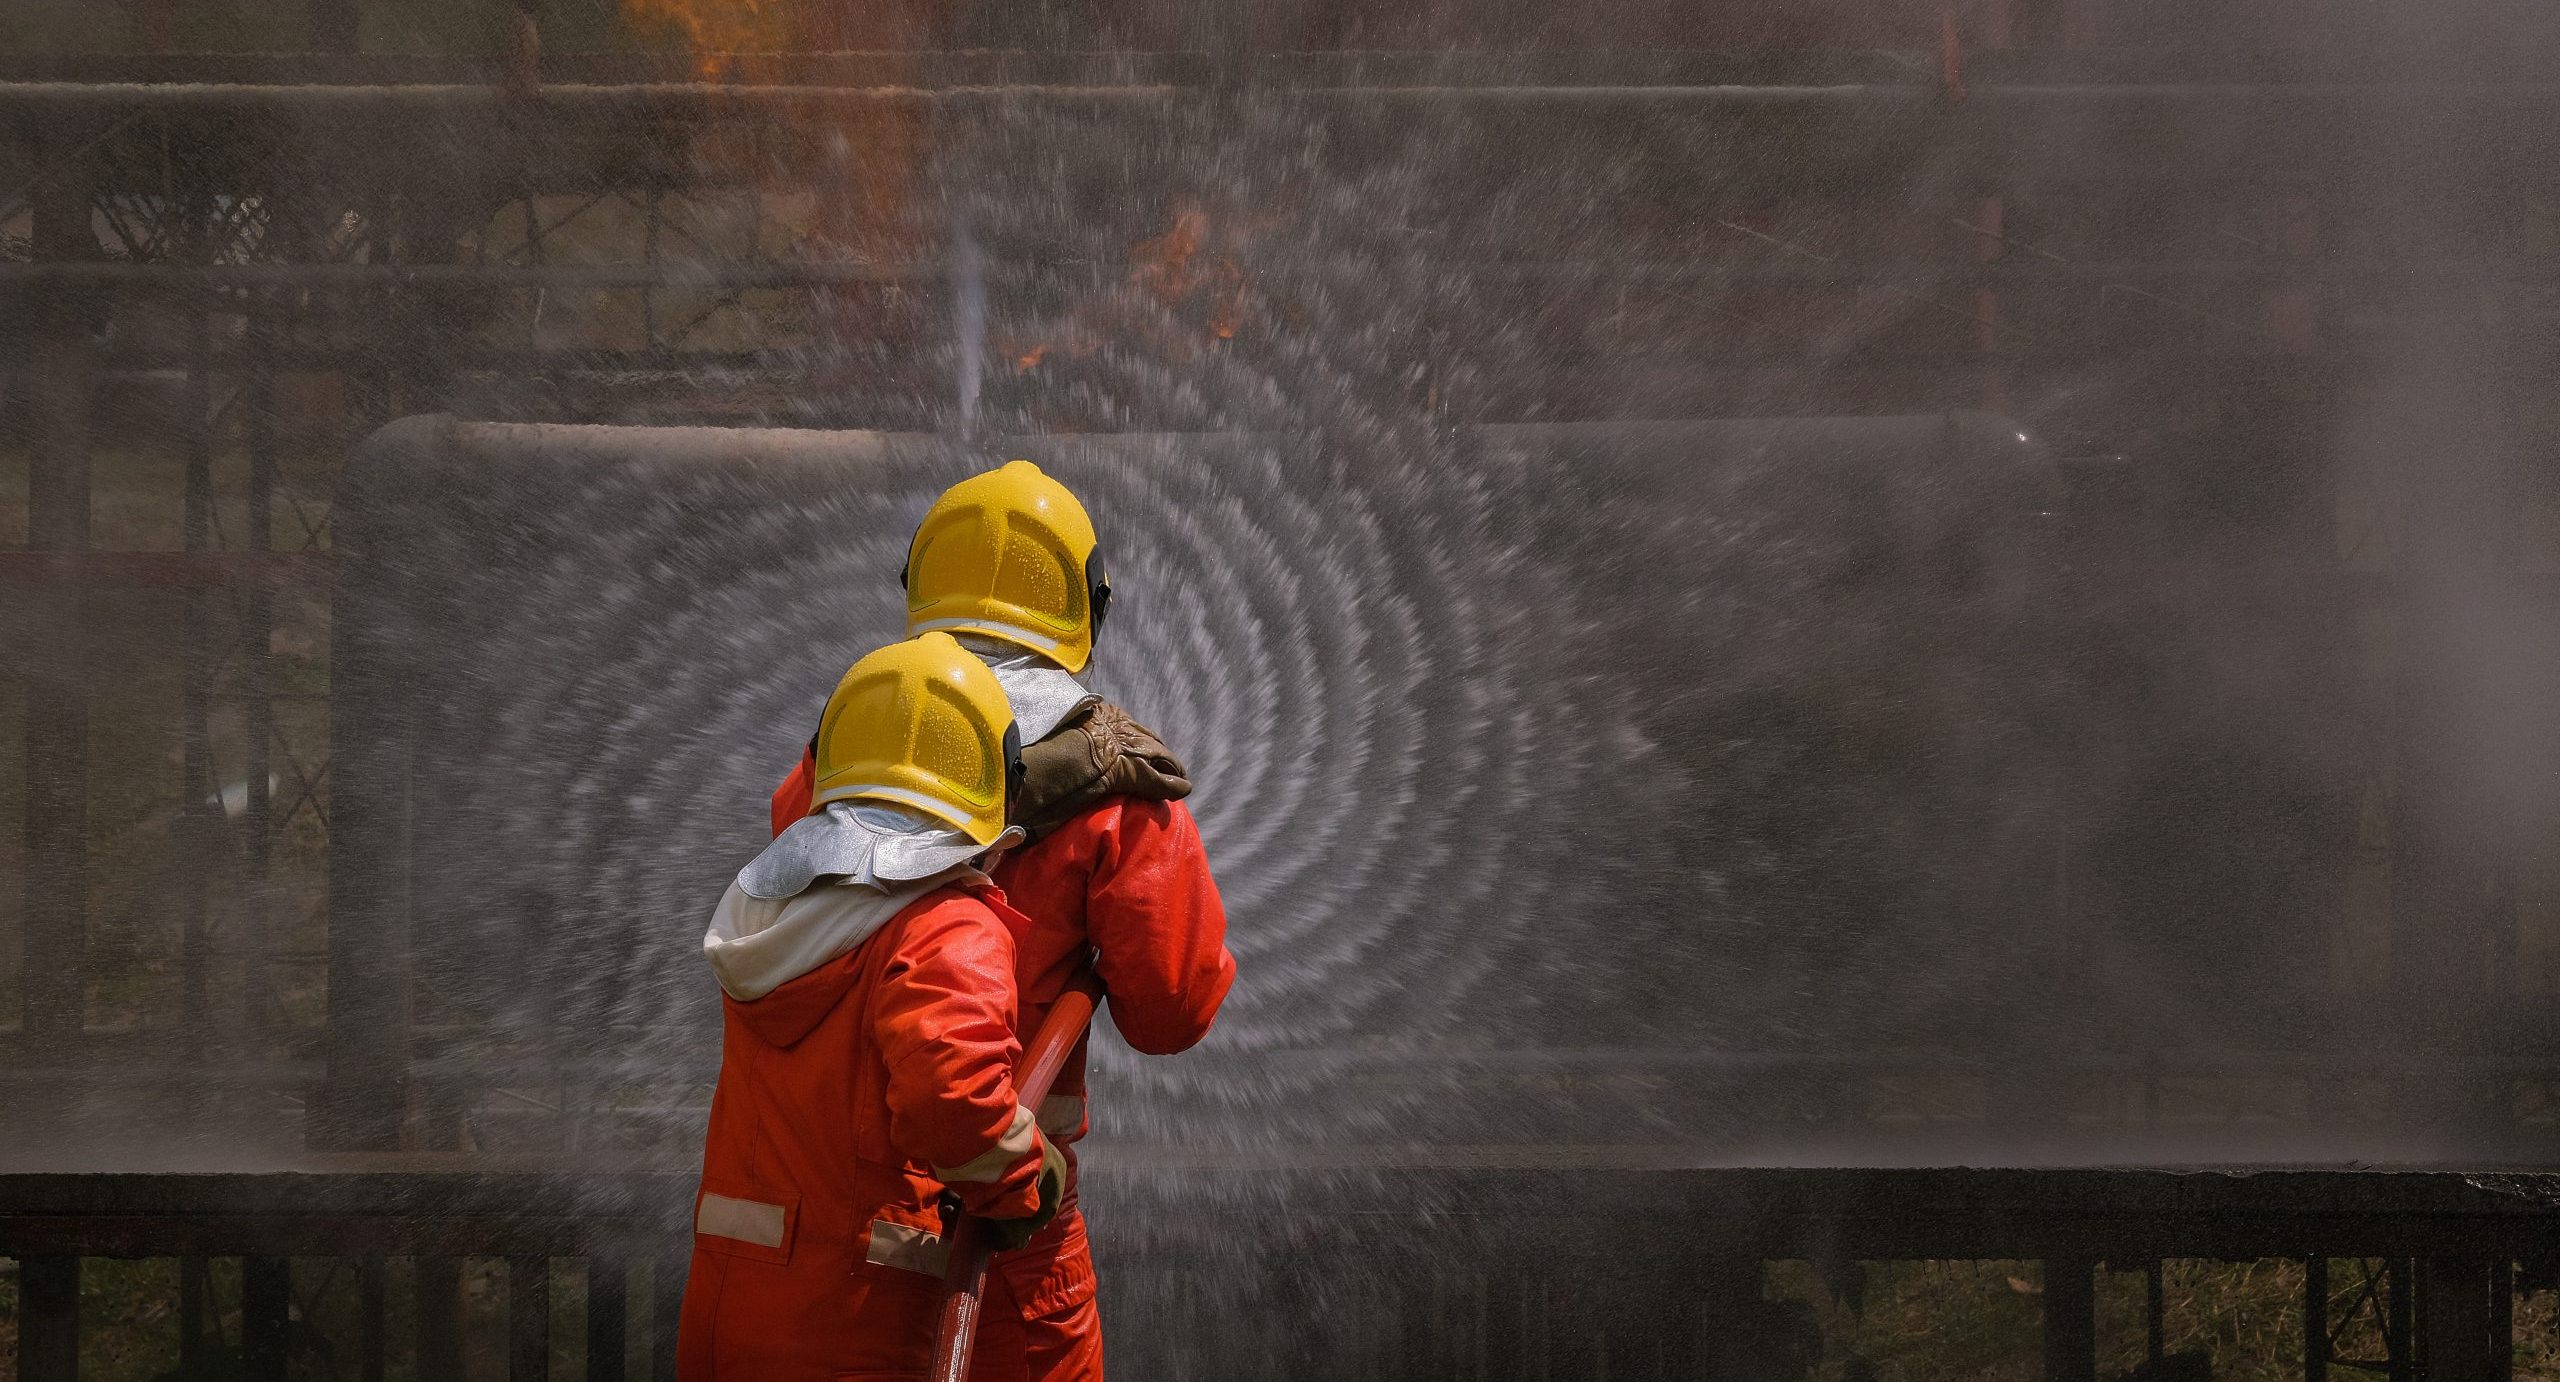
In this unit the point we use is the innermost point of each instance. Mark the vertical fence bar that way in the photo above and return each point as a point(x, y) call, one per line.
point(2070, 1320)
point(2502, 1320)
point(192, 1290)
point(437, 1285)
point(1573, 1334)
point(370, 1349)
point(2315, 1320)
point(1728, 1291)
point(2397, 1328)
point(2454, 1319)
point(528, 1318)
point(2155, 1310)
point(1422, 1326)
point(608, 1325)
point(48, 1319)
point(1676, 1279)
point(266, 1308)
point(666, 1307)
point(1537, 1316)
point(59, 378)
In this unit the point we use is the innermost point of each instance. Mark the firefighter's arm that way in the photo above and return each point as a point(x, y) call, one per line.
point(944, 1022)
point(1159, 932)
point(791, 799)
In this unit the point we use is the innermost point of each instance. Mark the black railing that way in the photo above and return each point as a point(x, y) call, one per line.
point(1546, 1267)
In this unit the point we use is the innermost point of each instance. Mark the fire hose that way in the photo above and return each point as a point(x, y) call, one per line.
point(964, 1280)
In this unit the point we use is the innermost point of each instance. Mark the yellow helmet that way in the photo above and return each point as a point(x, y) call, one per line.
point(1009, 554)
point(921, 724)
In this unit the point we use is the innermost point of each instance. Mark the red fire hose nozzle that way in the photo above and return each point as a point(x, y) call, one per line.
point(965, 1279)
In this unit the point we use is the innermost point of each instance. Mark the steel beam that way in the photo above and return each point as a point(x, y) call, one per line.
point(56, 884)
point(199, 828)
point(996, 65)
point(1097, 88)
point(257, 712)
point(1705, 268)
point(317, 277)
point(635, 100)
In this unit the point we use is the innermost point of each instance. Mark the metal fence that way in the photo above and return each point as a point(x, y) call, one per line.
point(1462, 1272)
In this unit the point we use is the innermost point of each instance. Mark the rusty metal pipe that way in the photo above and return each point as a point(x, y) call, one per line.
point(117, 98)
point(707, 275)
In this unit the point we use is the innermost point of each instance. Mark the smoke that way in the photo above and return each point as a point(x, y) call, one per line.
point(1725, 789)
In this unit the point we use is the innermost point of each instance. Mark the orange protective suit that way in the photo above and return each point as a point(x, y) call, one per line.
point(850, 1097)
point(1128, 880)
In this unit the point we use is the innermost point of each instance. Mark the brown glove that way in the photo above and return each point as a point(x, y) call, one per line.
point(1004, 1235)
point(1098, 753)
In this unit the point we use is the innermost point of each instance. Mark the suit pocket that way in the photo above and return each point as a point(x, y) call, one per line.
point(739, 1218)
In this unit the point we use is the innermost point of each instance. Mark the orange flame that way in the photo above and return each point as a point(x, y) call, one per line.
point(717, 29)
point(1173, 268)
point(1190, 271)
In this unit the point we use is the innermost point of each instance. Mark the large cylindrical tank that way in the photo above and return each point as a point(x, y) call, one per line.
point(1681, 782)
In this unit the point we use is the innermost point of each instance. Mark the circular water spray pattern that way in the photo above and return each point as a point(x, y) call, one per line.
point(1449, 719)
point(1356, 675)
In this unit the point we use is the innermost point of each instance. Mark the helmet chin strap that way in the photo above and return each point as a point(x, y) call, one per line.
point(1097, 591)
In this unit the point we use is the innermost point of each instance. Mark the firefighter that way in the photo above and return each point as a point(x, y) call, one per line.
point(866, 1067)
point(1007, 561)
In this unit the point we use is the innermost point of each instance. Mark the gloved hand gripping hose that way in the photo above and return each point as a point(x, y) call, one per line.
point(964, 1281)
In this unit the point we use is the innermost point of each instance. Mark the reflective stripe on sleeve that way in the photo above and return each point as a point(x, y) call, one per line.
point(1020, 1136)
point(905, 1248)
point(1061, 1114)
point(748, 1221)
